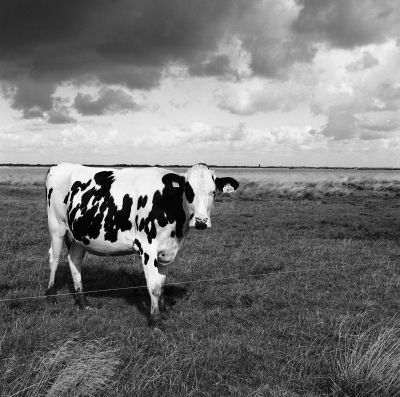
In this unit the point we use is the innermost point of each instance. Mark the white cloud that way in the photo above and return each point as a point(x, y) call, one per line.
point(367, 61)
point(239, 137)
point(262, 95)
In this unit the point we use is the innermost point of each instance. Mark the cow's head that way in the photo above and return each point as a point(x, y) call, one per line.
point(201, 185)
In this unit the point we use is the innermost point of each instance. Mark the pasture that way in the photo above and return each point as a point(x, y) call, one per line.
point(326, 253)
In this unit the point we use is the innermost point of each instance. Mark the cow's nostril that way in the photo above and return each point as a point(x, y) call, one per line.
point(201, 223)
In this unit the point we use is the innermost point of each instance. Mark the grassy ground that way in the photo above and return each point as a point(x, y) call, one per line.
point(277, 335)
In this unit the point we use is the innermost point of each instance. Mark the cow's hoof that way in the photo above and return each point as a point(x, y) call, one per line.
point(51, 295)
point(158, 332)
point(164, 314)
point(51, 291)
point(163, 309)
point(81, 301)
point(156, 323)
point(84, 306)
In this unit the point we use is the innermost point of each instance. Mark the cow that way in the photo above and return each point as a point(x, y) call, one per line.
point(108, 211)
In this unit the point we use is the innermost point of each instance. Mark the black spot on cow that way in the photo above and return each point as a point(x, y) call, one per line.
point(191, 216)
point(155, 263)
point(116, 220)
point(221, 182)
point(167, 207)
point(173, 234)
point(49, 196)
point(66, 198)
point(189, 193)
point(141, 202)
point(139, 246)
point(146, 258)
point(88, 224)
point(141, 225)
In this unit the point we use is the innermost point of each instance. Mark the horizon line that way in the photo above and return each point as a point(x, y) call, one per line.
point(209, 165)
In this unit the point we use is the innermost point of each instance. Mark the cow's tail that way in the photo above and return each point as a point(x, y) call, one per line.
point(46, 185)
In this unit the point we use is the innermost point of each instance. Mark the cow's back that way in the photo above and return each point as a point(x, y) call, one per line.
point(99, 205)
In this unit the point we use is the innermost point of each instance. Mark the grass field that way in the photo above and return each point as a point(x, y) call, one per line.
point(330, 331)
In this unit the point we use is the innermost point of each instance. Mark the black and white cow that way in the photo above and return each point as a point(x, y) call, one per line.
point(122, 211)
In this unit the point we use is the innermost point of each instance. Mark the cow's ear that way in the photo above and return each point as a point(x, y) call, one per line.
point(227, 184)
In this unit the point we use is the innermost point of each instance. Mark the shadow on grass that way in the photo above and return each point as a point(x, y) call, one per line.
point(118, 283)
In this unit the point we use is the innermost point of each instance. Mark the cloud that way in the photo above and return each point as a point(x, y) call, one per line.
point(60, 113)
point(30, 96)
point(366, 62)
point(341, 125)
point(348, 23)
point(108, 101)
point(265, 28)
point(126, 42)
point(217, 65)
point(387, 97)
point(80, 139)
point(203, 133)
point(59, 117)
point(131, 43)
point(380, 122)
point(346, 124)
point(260, 95)
point(357, 90)
point(236, 138)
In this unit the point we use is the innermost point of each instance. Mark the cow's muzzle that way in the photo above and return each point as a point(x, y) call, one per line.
point(201, 223)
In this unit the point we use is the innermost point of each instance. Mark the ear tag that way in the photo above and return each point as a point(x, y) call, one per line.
point(175, 184)
point(228, 189)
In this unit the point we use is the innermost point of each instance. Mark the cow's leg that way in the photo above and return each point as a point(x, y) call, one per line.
point(75, 258)
point(155, 282)
point(57, 232)
point(161, 302)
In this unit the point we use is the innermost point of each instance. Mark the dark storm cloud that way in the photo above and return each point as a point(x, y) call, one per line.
point(32, 97)
point(348, 23)
point(44, 43)
point(265, 28)
point(127, 42)
point(109, 101)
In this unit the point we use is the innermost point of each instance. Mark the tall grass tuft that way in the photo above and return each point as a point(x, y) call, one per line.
point(23, 180)
point(75, 369)
point(330, 186)
point(367, 364)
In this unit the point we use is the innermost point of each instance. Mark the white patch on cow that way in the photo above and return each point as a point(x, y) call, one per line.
point(175, 184)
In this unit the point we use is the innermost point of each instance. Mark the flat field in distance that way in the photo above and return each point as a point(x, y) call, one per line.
point(327, 254)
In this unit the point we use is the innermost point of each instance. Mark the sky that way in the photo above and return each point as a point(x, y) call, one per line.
point(225, 82)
